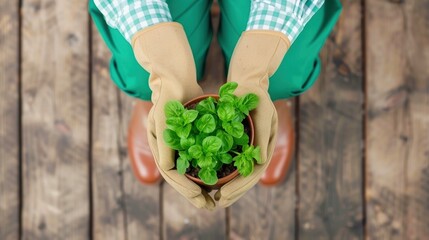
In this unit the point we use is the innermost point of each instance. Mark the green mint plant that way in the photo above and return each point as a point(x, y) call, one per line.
point(212, 134)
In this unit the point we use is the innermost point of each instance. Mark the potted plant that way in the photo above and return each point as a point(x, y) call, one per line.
point(213, 136)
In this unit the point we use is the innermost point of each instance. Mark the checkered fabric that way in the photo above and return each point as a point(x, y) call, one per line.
point(286, 16)
point(131, 16)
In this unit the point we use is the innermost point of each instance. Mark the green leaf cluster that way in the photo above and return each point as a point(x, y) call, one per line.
point(212, 134)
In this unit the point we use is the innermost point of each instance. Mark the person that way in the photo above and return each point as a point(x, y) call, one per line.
point(159, 49)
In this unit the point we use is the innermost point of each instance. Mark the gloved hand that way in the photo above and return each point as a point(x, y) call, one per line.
point(163, 50)
point(256, 57)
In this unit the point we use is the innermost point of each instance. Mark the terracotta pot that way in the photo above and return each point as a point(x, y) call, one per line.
point(234, 174)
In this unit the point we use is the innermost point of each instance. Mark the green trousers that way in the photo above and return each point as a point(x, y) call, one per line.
point(296, 74)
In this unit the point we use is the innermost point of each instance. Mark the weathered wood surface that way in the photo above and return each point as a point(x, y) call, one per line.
point(142, 202)
point(397, 61)
point(55, 114)
point(9, 120)
point(330, 137)
point(123, 208)
point(265, 213)
point(107, 183)
point(56, 154)
point(181, 220)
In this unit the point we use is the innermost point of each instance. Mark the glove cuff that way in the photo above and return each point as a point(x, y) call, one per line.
point(258, 52)
point(163, 49)
point(160, 28)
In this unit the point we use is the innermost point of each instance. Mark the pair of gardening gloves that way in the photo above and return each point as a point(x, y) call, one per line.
point(163, 50)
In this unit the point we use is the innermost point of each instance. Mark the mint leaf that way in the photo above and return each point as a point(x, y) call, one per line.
point(195, 151)
point(248, 103)
point(181, 165)
point(211, 144)
point(244, 165)
point(238, 161)
point(239, 117)
point(171, 139)
point(226, 112)
point(208, 176)
point(227, 88)
point(174, 123)
point(187, 142)
point(194, 163)
point(225, 158)
point(173, 109)
point(227, 140)
point(256, 154)
point(200, 137)
point(185, 155)
point(246, 168)
point(218, 165)
point(228, 98)
point(206, 162)
point(236, 129)
point(189, 116)
point(183, 132)
point(247, 151)
point(243, 140)
point(206, 123)
point(207, 106)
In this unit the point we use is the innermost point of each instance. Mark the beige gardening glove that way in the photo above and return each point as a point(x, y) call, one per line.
point(163, 50)
point(256, 57)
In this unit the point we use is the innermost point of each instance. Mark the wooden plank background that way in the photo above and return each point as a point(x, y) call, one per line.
point(9, 120)
point(55, 120)
point(122, 208)
point(397, 63)
point(361, 168)
point(107, 188)
point(330, 137)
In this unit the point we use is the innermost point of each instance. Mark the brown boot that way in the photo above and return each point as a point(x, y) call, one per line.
point(285, 146)
point(142, 161)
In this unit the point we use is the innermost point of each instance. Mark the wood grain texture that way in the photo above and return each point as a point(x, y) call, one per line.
point(55, 129)
point(331, 139)
point(107, 179)
point(398, 119)
point(181, 220)
point(142, 202)
point(9, 120)
point(265, 213)
point(123, 208)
